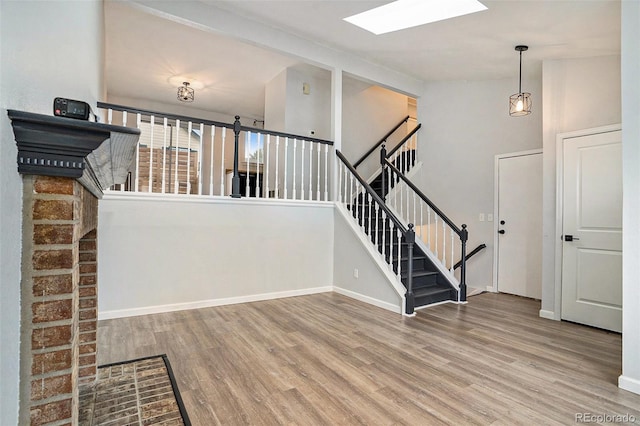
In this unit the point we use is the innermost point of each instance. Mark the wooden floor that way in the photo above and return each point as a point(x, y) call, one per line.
point(328, 359)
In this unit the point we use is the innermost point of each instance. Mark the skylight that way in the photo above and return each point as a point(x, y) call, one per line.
point(402, 14)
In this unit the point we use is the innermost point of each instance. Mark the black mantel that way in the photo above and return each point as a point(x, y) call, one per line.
point(98, 155)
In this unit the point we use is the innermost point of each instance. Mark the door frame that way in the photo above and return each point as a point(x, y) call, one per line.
point(496, 221)
point(560, 138)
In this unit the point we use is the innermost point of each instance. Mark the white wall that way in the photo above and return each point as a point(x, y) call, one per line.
point(49, 49)
point(369, 112)
point(371, 285)
point(275, 103)
point(630, 378)
point(158, 255)
point(305, 113)
point(577, 94)
point(465, 124)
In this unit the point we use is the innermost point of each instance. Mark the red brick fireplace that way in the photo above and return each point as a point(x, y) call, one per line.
point(65, 165)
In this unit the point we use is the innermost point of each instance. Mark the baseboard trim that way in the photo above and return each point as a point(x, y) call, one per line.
point(157, 309)
point(370, 300)
point(629, 384)
point(547, 314)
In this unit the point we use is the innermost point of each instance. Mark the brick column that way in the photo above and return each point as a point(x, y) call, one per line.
point(53, 224)
point(88, 306)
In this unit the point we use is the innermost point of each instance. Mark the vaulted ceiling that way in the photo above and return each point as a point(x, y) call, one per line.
point(146, 53)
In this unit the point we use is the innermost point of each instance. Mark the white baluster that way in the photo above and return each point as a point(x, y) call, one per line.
point(302, 171)
point(444, 244)
point(152, 120)
point(351, 192)
point(295, 149)
point(189, 131)
point(384, 235)
point(124, 118)
point(138, 122)
point(326, 175)
point(260, 145)
point(399, 185)
point(452, 242)
point(429, 227)
point(345, 186)
point(164, 154)
point(357, 202)
point(277, 182)
point(421, 230)
point(200, 152)
point(318, 173)
point(266, 180)
point(414, 207)
point(376, 235)
point(222, 168)
point(407, 212)
point(177, 148)
point(311, 170)
point(399, 235)
point(286, 168)
point(211, 162)
point(435, 218)
point(340, 193)
point(247, 145)
point(109, 116)
point(369, 202)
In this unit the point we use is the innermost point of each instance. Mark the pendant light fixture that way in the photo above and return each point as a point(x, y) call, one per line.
point(185, 93)
point(520, 103)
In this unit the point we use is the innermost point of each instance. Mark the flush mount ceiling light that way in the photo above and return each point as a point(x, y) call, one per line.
point(520, 103)
point(185, 93)
point(402, 14)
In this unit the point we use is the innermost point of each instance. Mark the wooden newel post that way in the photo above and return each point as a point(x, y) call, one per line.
point(383, 163)
point(235, 181)
point(464, 235)
point(410, 237)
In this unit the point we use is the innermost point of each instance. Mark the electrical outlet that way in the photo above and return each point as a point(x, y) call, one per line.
point(489, 217)
point(355, 273)
point(481, 217)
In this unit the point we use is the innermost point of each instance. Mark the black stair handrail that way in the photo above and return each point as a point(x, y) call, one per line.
point(470, 255)
point(408, 233)
point(462, 232)
point(424, 198)
point(405, 139)
point(372, 193)
point(380, 142)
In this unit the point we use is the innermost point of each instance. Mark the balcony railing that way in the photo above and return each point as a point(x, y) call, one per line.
point(185, 155)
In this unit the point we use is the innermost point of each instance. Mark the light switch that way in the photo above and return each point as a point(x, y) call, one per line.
point(481, 217)
point(489, 217)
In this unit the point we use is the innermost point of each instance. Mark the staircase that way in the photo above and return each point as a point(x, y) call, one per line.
point(429, 283)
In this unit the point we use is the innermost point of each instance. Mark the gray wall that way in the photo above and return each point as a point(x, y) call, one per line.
point(578, 94)
point(465, 124)
point(157, 255)
point(35, 67)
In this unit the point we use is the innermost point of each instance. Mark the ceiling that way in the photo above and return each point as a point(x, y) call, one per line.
point(146, 55)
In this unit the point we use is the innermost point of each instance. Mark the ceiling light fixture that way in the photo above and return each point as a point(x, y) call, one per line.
point(402, 14)
point(520, 103)
point(185, 93)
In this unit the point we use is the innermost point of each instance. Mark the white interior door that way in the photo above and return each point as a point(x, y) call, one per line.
point(592, 230)
point(519, 217)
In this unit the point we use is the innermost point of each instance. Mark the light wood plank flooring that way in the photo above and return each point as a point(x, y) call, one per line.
point(328, 359)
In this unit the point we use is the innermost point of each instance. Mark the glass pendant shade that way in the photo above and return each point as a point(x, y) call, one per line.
point(520, 104)
point(185, 93)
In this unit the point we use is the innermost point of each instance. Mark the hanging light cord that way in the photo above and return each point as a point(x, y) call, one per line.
point(520, 78)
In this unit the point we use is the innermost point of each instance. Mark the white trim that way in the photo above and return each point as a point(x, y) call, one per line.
point(629, 384)
point(548, 315)
point(122, 313)
point(213, 199)
point(375, 255)
point(370, 300)
point(560, 138)
point(496, 204)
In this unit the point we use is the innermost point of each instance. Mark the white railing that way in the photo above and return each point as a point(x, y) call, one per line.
point(372, 216)
point(445, 241)
point(184, 155)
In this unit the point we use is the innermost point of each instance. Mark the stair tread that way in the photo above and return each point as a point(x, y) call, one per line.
point(417, 274)
point(429, 291)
